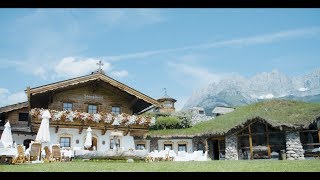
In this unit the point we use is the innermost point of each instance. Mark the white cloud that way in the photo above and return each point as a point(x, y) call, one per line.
point(17, 97)
point(72, 67)
point(200, 74)
point(8, 98)
point(119, 74)
point(240, 42)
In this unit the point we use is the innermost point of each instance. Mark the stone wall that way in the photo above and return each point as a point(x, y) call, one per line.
point(231, 147)
point(294, 149)
point(175, 144)
point(154, 144)
point(210, 149)
point(199, 143)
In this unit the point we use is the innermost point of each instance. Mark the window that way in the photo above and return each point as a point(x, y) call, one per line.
point(67, 106)
point(65, 142)
point(182, 147)
point(114, 144)
point(92, 108)
point(141, 146)
point(167, 146)
point(167, 104)
point(111, 143)
point(201, 112)
point(23, 116)
point(309, 140)
point(116, 109)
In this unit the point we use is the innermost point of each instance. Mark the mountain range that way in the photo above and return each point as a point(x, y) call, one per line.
point(236, 90)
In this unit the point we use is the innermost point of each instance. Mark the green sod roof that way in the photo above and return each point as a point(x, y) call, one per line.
point(277, 113)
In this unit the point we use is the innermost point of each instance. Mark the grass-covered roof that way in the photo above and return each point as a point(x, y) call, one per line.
point(277, 113)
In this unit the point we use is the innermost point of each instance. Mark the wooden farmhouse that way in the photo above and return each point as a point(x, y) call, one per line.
point(94, 100)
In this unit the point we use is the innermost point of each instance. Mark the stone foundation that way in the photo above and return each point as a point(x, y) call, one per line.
point(110, 154)
point(231, 147)
point(294, 149)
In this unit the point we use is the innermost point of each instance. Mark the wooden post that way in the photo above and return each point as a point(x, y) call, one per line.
point(29, 107)
point(267, 133)
point(57, 129)
point(80, 129)
point(218, 149)
point(206, 142)
point(319, 135)
point(28, 96)
point(250, 142)
point(103, 131)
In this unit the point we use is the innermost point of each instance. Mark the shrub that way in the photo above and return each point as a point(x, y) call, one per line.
point(167, 122)
point(184, 117)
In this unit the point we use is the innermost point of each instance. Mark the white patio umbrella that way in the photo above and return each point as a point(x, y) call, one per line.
point(43, 134)
point(6, 137)
point(88, 142)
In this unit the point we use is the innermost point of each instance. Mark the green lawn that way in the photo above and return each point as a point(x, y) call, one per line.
point(141, 166)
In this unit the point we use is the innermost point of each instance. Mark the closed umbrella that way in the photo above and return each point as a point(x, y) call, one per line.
point(88, 142)
point(43, 134)
point(6, 137)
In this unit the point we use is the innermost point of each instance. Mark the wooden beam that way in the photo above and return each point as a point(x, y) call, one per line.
point(250, 142)
point(57, 129)
point(80, 129)
point(103, 131)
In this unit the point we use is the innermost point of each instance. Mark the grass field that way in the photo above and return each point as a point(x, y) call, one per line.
point(276, 112)
point(141, 166)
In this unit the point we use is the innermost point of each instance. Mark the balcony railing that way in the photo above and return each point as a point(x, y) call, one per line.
point(100, 117)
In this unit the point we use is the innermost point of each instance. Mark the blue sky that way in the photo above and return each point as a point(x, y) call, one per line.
point(149, 49)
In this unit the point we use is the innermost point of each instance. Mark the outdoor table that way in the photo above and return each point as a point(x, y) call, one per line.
point(67, 154)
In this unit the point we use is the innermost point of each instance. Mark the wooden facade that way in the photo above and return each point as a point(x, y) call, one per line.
point(17, 114)
point(95, 89)
point(104, 97)
point(107, 90)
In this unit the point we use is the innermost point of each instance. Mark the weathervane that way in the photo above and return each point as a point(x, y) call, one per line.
point(100, 64)
point(165, 91)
